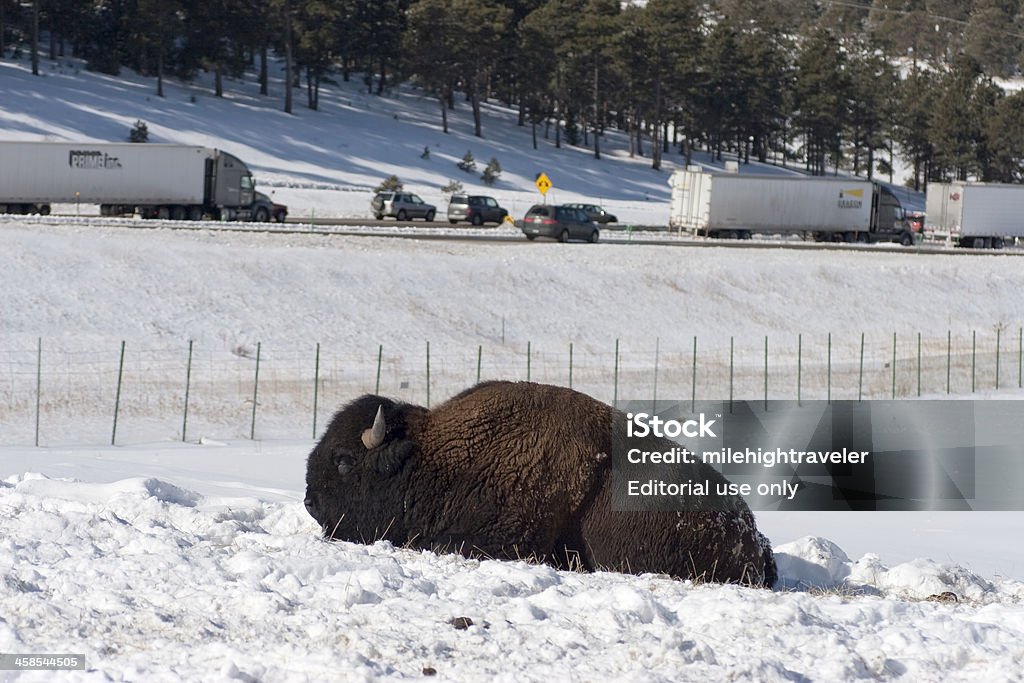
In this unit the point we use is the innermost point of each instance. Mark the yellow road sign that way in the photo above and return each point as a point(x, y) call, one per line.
point(543, 183)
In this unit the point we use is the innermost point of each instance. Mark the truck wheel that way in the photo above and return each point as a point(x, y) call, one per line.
point(178, 213)
point(163, 213)
point(44, 209)
point(261, 215)
point(906, 240)
point(195, 213)
point(997, 243)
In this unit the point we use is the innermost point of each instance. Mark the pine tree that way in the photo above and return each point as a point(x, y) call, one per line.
point(453, 187)
point(467, 163)
point(317, 26)
point(390, 184)
point(550, 65)
point(820, 99)
point(990, 38)
point(594, 40)
point(491, 172)
point(139, 132)
point(1004, 132)
point(872, 82)
point(656, 53)
point(380, 24)
point(431, 46)
point(953, 126)
point(915, 96)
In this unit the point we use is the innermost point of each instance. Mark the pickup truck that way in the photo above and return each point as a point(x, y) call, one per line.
point(265, 209)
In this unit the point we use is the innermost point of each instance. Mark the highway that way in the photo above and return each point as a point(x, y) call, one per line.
point(444, 231)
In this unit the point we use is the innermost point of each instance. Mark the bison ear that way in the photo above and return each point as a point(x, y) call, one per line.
point(390, 459)
point(374, 436)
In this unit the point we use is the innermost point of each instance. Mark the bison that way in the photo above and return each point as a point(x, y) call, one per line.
point(515, 470)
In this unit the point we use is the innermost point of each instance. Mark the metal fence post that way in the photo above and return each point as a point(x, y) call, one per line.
point(255, 392)
point(188, 386)
point(39, 384)
point(117, 396)
point(316, 386)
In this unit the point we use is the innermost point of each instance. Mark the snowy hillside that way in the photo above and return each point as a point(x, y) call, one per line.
point(327, 162)
point(175, 556)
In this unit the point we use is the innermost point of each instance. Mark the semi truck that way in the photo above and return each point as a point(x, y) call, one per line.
point(975, 215)
point(180, 182)
point(730, 205)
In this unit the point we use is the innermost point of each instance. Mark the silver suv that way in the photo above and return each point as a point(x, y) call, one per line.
point(401, 205)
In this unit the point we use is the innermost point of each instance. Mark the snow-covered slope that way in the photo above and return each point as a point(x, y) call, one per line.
point(327, 162)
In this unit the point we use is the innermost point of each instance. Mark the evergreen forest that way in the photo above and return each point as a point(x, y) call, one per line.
point(815, 84)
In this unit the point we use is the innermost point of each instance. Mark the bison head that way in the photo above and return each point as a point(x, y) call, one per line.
point(355, 468)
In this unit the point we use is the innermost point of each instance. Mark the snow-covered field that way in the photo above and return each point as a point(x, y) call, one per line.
point(164, 560)
point(154, 581)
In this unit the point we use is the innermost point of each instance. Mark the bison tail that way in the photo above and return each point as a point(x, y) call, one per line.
point(771, 570)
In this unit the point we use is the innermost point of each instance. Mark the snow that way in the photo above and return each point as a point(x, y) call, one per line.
point(152, 580)
point(164, 559)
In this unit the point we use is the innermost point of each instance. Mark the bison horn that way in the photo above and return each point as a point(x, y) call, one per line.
point(374, 436)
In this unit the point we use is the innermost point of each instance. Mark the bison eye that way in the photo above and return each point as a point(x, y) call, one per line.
point(343, 461)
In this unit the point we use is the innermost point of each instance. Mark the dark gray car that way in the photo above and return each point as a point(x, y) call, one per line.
point(477, 209)
point(401, 205)
point(596, 213)
point(264, 209)
point(559, 222)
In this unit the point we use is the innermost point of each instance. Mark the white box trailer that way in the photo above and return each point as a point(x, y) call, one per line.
point(983, 215)
point(738, 206)
point(157, 180)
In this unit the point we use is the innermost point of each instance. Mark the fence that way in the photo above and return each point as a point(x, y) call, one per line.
point(59, 393)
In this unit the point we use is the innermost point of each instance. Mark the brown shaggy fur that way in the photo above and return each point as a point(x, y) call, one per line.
point(516, 470)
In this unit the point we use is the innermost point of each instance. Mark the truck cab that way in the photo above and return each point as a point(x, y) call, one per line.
point(229, 186)
point(889, 221)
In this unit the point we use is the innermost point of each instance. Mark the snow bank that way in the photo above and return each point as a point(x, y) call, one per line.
point(813, 563)
point(150, 580)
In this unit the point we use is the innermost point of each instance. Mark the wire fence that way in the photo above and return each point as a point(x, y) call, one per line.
point(61, 394)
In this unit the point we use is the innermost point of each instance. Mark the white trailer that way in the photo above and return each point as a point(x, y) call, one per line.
point(982, 215)
point(157, 180)
point(738, 206)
